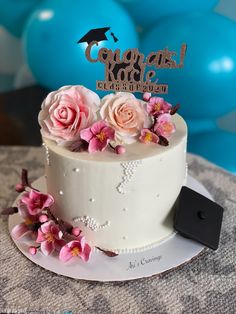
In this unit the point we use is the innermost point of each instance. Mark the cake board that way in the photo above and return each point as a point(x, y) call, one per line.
point(167, 254)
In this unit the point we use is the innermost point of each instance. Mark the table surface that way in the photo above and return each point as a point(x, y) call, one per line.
point(206, 285)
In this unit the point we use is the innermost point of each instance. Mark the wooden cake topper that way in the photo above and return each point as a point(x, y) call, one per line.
point(129, 71)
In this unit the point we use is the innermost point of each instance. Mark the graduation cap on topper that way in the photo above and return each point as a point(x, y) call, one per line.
point(97, 34)
point(198, 218)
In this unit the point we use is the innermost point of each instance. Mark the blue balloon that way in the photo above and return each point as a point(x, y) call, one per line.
point(52, 33)
point(200, 125)
point(219, 147)
point(206, 86)
point(14, 13)
point(147, 12)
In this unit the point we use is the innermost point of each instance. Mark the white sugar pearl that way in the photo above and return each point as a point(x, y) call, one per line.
point(61, 192)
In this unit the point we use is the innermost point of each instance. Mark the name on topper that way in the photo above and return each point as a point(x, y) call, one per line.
point(129, 71)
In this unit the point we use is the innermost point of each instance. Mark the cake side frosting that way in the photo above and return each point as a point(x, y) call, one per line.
point(121, 202)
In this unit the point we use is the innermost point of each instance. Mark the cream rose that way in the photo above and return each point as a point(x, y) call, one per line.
point(66, 112)
point(126, 114)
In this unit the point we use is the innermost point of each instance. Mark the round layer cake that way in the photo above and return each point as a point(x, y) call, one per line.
point(120, 202)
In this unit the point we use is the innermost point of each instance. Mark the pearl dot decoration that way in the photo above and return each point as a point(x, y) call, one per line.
point(129, 169)
point(92, 200)
point(47, 154)
point(61, 192)
point(91, 223)
point(76, 170)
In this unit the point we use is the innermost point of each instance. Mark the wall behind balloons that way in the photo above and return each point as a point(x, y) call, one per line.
point(33, 51)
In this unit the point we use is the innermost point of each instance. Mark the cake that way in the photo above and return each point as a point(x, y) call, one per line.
point(114, 166)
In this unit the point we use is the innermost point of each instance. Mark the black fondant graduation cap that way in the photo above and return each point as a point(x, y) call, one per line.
point(198, 218)
point(96, 34)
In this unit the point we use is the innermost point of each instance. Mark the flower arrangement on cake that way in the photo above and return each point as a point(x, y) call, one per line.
point(75, 117)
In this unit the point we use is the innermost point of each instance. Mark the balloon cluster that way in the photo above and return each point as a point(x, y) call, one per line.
point(48, 31)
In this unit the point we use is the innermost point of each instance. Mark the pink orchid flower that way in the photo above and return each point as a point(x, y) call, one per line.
point(25, 228)
point(157, 106)
point(50, 237)
point(35, 201)
point(98, 136)
point(75, 248)
point(148, 137)
point(164, 126)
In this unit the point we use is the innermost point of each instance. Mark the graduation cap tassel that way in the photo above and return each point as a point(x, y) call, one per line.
point(114, 37)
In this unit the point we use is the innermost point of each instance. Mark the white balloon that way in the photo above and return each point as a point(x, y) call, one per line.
point(10, 52)
point(24, 77)
point(227, 8)
point(227, 122)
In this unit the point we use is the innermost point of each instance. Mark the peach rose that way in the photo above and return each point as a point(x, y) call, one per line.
point(126, 114)
point(67, 111)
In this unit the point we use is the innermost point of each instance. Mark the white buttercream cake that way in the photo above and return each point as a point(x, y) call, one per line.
point(122, 198)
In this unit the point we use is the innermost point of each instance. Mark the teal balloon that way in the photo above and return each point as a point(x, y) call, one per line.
point(206, 86)
point(14, 13)
point(196, 126)
point(147, 12)
point(218, 146)
point(51, 36)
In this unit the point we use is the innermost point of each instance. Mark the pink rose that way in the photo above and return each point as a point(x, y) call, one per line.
point(67, 111)
point(126, 115)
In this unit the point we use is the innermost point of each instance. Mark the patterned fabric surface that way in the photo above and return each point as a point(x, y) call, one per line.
point(206, 285)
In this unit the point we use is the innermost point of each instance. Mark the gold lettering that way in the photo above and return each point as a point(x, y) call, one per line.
point(88, 51)
point(104, 55)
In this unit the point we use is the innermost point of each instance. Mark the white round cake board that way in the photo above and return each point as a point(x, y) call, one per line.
point(168, 254)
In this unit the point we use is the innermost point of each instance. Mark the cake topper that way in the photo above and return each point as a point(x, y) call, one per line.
point(97, 34)
point(131, 71)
